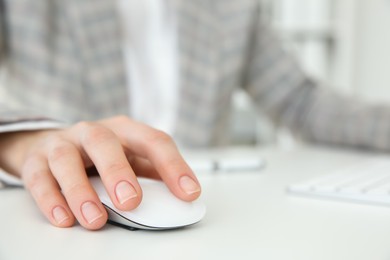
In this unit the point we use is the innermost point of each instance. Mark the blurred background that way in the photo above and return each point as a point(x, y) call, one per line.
point(343, 44)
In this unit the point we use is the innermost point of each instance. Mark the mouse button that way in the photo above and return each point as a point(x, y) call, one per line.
point(98, 186)
point(159, 207)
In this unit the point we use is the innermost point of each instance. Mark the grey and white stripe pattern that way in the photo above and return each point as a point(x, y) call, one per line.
point(2, 30)
point(64, 62)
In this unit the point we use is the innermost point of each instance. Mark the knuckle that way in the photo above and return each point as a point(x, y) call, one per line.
point(43, 196)
point(47, 142)
point(122, 119)
point(96, 134)
point(159, 137)
point(50, 139)
point(60, 150)
point(76, 190)
point(117, 168)
point(174, 164)
point(82, 125)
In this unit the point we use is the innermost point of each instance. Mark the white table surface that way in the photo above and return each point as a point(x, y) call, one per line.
point(250, 216)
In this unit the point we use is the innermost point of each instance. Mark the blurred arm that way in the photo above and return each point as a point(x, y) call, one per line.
point(291, 99)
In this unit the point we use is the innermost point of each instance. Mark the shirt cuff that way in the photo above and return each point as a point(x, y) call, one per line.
point(7, 179)
point(30, 126)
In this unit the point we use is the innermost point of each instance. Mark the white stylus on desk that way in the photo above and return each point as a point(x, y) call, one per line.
point(242, 164)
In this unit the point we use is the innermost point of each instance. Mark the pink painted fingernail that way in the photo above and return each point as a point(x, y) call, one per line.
point(91, 212)
point(188, 185)
point(60, 215)
point(125, 192)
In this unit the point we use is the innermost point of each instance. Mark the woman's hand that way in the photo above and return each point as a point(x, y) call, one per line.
point(53, 167)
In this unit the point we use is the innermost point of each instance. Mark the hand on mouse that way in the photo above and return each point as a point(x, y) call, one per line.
point(53, 163)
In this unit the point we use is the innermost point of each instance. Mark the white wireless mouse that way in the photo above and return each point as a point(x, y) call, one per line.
point(159, 208)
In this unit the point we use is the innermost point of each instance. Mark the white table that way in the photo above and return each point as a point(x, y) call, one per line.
point(249, 216)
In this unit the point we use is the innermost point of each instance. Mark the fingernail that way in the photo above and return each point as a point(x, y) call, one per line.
point(60, 214)
point(189, 185)
point(91, 212)
point(124, 192)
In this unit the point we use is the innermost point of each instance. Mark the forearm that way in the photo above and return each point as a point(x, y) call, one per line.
point(281, 90)
point(339, 120)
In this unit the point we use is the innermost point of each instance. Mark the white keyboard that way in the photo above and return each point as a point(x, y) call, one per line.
point(367, 182)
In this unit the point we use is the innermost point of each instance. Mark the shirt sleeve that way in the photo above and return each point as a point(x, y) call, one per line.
point(6, 179)
point(30, 126)
point(2, 31)
point(313, 112)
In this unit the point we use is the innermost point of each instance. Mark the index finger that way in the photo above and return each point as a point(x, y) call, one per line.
point(104, 149)
point(160, 149)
